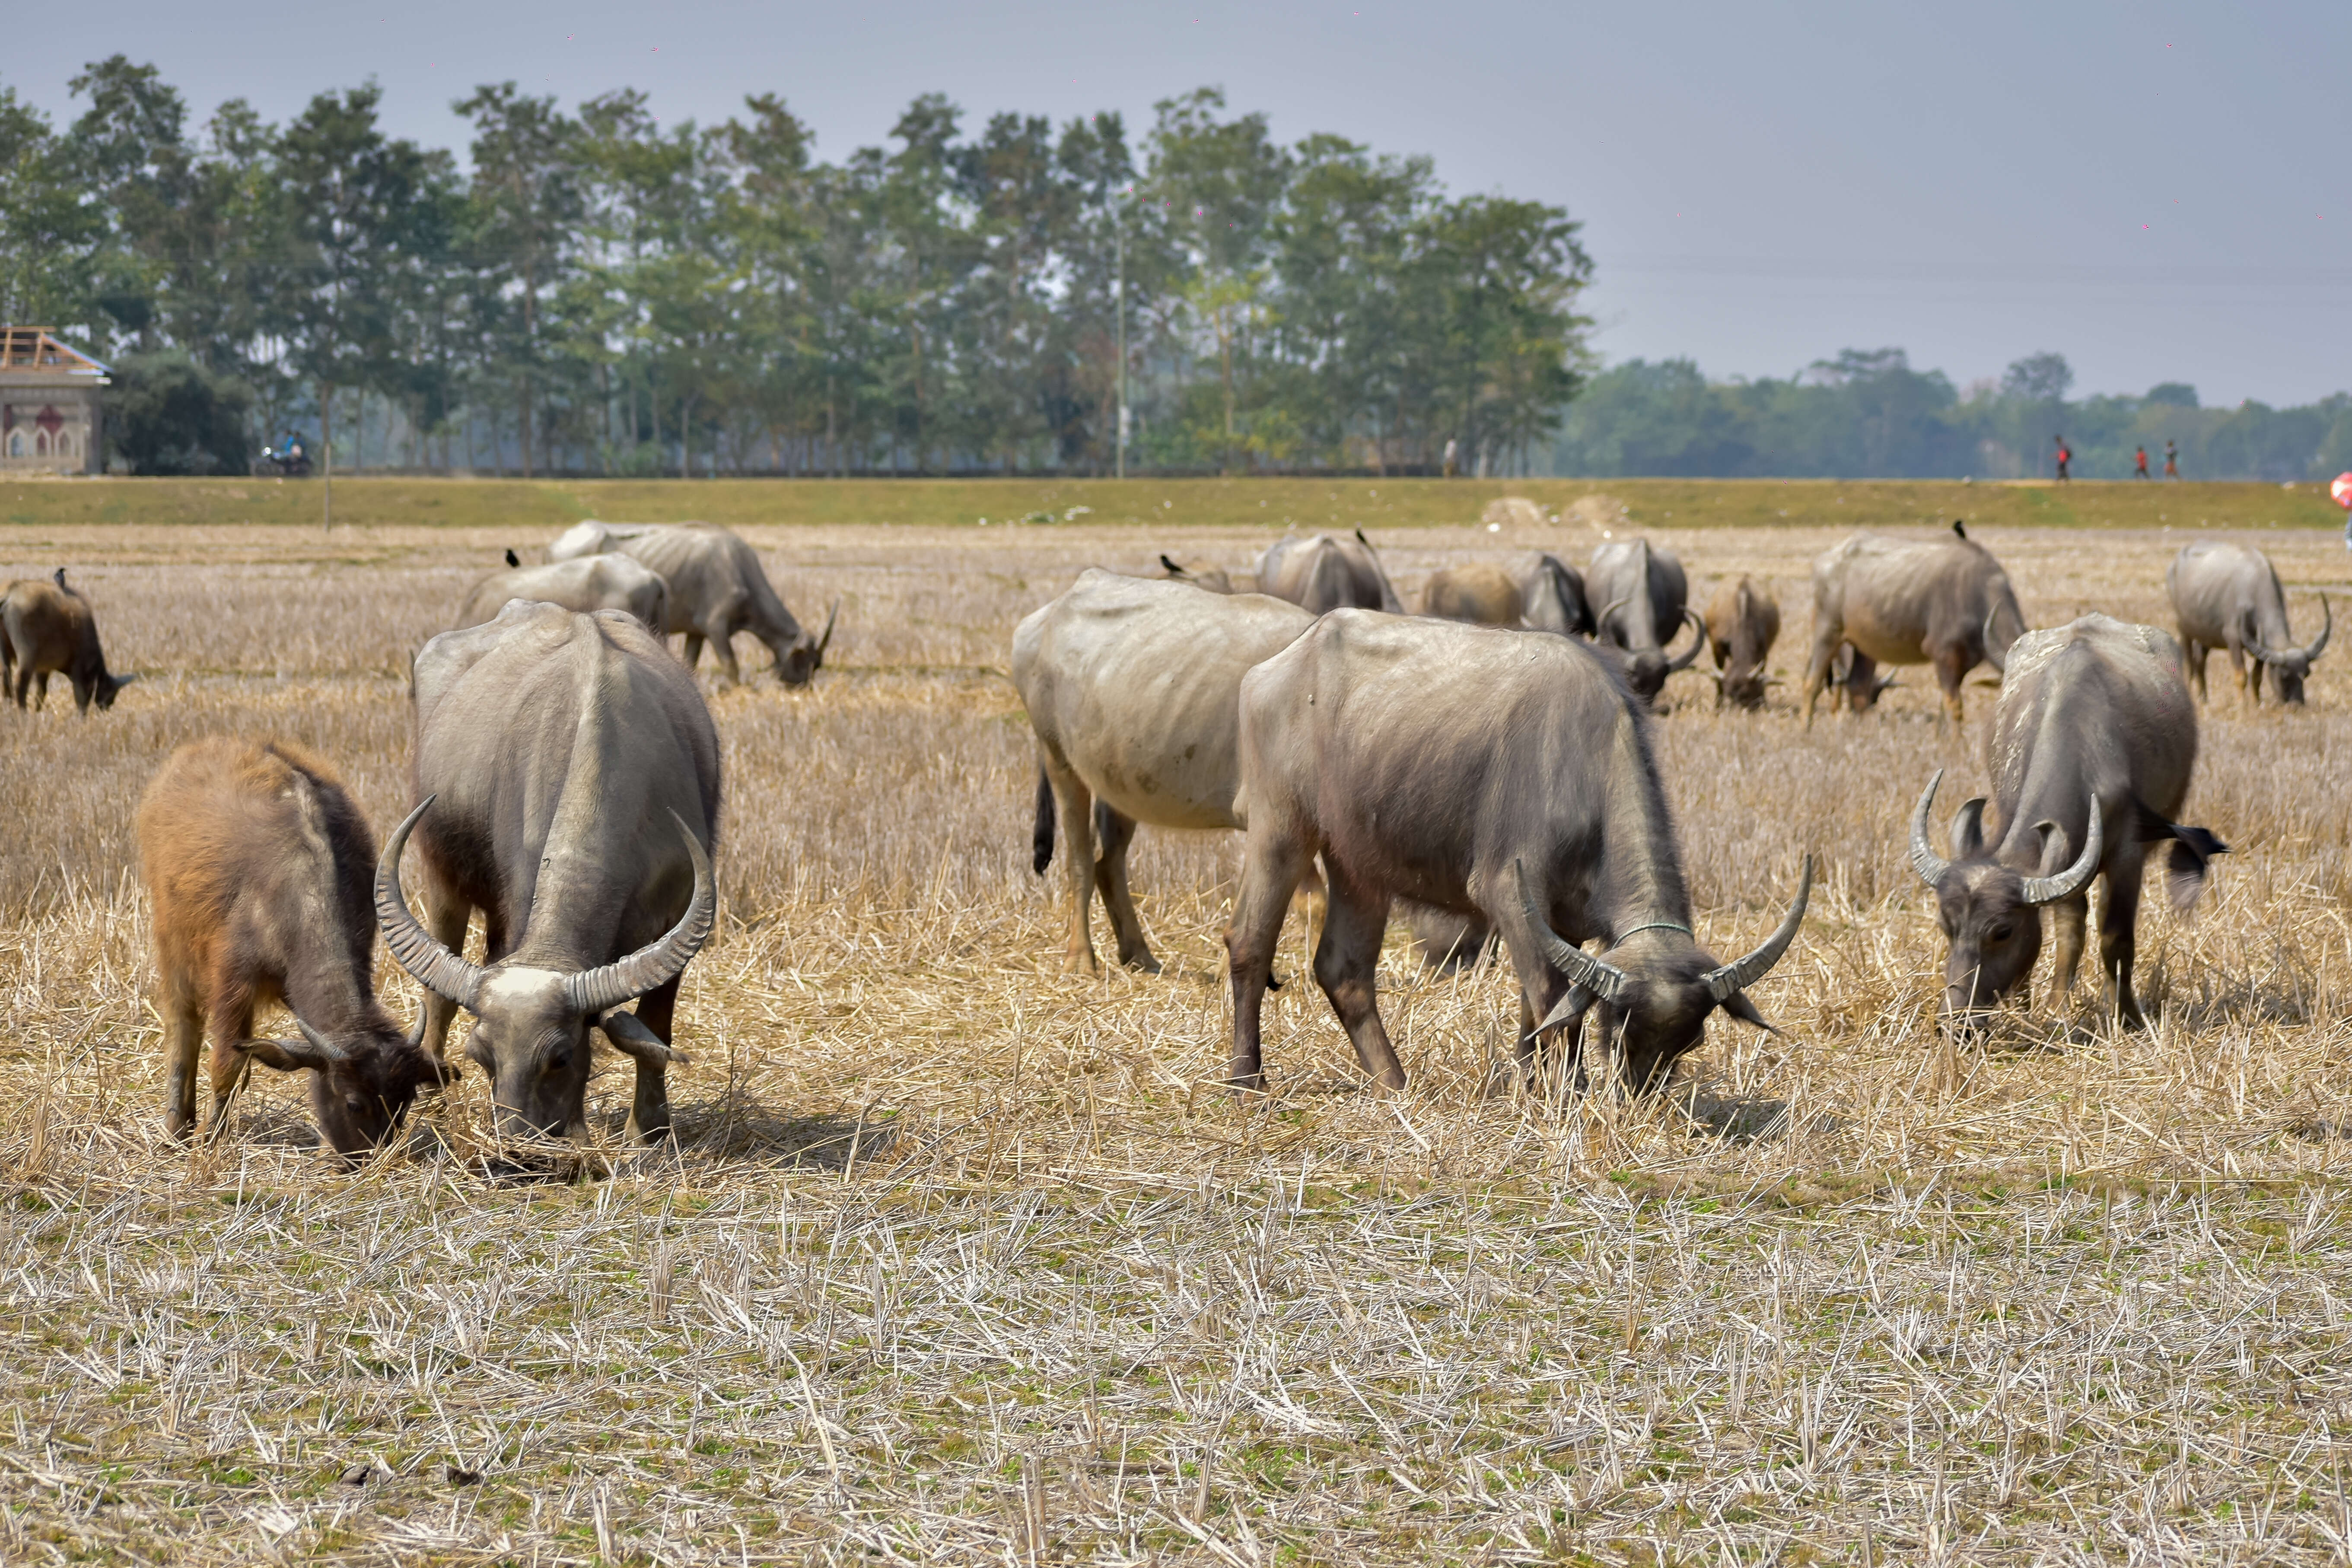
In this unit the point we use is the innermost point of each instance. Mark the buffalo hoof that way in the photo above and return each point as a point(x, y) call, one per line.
point(1141, 962)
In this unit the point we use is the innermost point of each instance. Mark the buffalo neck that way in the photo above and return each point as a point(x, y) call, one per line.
point(1641, 881)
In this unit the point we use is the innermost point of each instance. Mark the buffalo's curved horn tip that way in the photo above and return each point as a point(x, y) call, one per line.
point(1724, 983)
point(1931, 865)
point(826, 641)
point(1606, 981)
point(599, 990)
point(1699, 640)
point(1614, 605)
point(632, 1039)
point(418, 951)
point(2067, 883)
point(2327, 625)
point(327, 1050)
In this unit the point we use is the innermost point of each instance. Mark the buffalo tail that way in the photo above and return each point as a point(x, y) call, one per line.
point(1041, 838)
point(2184, 869)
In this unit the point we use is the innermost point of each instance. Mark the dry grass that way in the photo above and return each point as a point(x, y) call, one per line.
point(961, 1259)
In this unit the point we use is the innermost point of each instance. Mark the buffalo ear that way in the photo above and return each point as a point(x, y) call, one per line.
point(286, 1056)
point(1740, 1007)
point(2057, 849)
point(1968, 829)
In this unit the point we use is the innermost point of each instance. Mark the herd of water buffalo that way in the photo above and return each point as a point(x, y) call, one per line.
point(1487, 763)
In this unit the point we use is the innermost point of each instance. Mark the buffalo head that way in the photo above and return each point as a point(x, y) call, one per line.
point(2291, 667)
point(362, 1081)
point(530, 1030)
point(1653, 992)
point(1991, 913)
point(798, 665)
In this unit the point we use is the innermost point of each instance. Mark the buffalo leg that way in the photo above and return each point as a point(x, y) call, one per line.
point(2068, 920)
point(1951, 667)
point(723, 648)
point(693, 655)
point(1540, 989)
point(1275, 861)
point(1346, 966)
point(1116, 832)
point(2193, 654)
point(649, 1107)
point(183, 1037)
point(1860, 682)
point(40, 691)
point(232, 1022)
point(444, 916)
point(1817, 670)
point(1075, 804)
point(2238, 663)
point(2119, 937)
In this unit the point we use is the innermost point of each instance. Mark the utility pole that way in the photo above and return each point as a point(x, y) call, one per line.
point(327, 454)
point(1119, 292)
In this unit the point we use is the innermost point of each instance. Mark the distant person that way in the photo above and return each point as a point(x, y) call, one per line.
point(2065, 456)
point(2139, 460)
point(1453, 457)
point(2171, 460)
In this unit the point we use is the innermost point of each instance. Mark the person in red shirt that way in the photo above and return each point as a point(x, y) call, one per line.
point(2064, 457)
point(2139, 455)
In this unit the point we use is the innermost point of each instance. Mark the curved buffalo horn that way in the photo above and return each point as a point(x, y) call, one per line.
point(1732, 978)
point(1931, 865)
point(1616, 605)
point(2000, 662)
point(2327, 625)
point(2049, 890)
point(1699, 640)
point(327, 1049)
point(632, 1039)
point(420, 953)
point(598, 990)
point(1606, 981)
point(825, 641)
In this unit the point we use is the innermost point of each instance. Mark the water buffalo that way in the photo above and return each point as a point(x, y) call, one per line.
point(1944, 602)
point(568, 776)
point(1506, 773)
point(1326, 571)
point(2093, 743)
point(1131, 684)
point(1552, 596)
point(1213, 578)
point(715, 589)
point(2227, 596)
point(587, 584)
point(1480, 593)
point(258, 866)
point(1644, 601)
point(48, 628)
point(1742, 624)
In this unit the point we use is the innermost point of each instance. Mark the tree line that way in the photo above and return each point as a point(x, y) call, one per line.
point(1869, 413)
point(595, 291)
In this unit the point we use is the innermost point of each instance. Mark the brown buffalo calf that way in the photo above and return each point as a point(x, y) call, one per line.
point(48, 628)
point(260, 874)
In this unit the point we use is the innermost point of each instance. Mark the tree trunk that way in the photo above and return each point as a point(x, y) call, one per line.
point(522, 422)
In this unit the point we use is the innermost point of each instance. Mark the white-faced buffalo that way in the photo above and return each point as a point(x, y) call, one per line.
point(258, 866)
point(1742, 624)
point(47, 628)
point(2228, 596)
point(1213, 578)
point(717, 589)
point(1552, 596)
point(1132, 687)
point(1327, 572)
point(2093, 743)
point(1509, 774)
point(588, 583)
point(1480, 593)
point(1944, 602)
point(1644, 600)
point(569, 777)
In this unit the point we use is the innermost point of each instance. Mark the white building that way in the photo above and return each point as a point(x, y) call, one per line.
point(49, 414)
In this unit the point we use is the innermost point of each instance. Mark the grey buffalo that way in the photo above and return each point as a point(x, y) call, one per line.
point(717, 588)
point(2228, 596)
point(1480, 593)
point(1510, 774)
point(2093, 743)
point(568, 776)
point(1132, 687)
point(587, 584)
point(1644, 600)
point(1943, 602)
point(1327, 572)
point(1552, 597)
point(1742, 624)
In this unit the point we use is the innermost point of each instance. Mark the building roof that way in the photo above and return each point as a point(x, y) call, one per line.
point(36, 349)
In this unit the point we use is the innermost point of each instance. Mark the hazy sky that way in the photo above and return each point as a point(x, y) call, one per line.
point(2157, 192)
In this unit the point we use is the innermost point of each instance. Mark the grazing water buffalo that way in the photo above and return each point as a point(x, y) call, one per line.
point(1131, 685)
point(1742, 624)
point(587, 583)
point(715, 589)
point(1943, 602)
point(1213, 578)
point(2227, 596)
point(48, 628)
point(1327, 572)
point(1552, 596)
point(1644, 599)
point(2093, 743)
point(1509, 774)
point(257, 864)
point(1480, 593)
point(569, 780)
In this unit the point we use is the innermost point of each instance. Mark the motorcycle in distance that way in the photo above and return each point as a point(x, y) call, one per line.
point(290, 461)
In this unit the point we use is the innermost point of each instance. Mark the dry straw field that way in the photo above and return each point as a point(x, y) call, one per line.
point(961, 1259)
